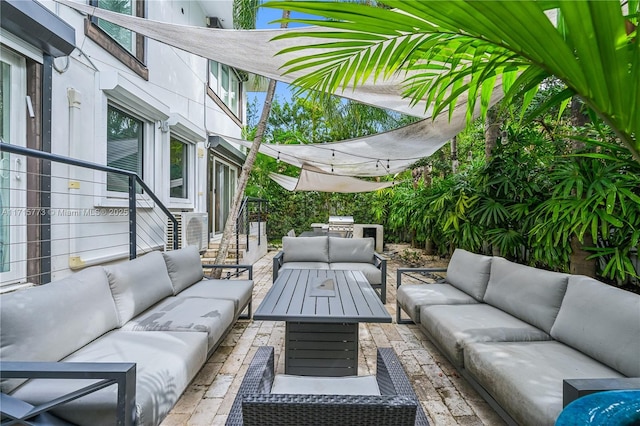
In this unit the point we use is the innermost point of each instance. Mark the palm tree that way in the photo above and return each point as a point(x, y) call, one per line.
point(245, 12)
point(447, 48)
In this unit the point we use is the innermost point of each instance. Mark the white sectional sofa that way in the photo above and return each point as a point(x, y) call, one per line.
point(521, 335)
point(157, 312)
point(322, 252)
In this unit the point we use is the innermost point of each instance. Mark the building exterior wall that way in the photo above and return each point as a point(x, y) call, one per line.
point(173, 101)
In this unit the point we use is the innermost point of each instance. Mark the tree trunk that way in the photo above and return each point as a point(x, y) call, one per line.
point(454, 155)
point(491, 132)
point(578, 263)
point(229, 226)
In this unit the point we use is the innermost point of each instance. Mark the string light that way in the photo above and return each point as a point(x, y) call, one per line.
point(332, 168)
point(278, 159)
point(388, 164)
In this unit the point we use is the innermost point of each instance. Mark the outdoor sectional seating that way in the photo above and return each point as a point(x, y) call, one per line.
point(147, 324)
point(529, 340)
point(267, 399)
point(334, 253)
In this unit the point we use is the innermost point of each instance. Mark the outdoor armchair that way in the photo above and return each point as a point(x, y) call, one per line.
point(396, 404)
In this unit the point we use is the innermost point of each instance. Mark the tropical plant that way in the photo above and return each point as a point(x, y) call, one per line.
point(449, 48)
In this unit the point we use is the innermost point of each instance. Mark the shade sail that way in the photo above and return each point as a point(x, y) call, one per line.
point(312, 179)
point(253, 51)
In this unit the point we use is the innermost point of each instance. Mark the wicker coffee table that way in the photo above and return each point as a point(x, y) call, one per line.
point(322, 309)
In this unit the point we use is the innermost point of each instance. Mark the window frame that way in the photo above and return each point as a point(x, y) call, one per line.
point(188, 170)
point(137, 62)
point(216, 94)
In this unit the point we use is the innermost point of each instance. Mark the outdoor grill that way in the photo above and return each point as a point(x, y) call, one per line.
point(341, 224)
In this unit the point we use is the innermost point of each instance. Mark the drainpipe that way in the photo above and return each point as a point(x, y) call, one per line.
point(74, 98)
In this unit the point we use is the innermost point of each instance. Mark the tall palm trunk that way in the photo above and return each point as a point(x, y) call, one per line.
point(491, 131)
point(223, 250)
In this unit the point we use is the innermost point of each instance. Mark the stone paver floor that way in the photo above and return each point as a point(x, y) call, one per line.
point(446, 397)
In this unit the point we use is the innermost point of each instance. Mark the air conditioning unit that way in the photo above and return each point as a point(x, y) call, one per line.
point(192, 231)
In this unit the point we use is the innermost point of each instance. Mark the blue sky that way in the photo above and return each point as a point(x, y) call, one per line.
point(265, 16)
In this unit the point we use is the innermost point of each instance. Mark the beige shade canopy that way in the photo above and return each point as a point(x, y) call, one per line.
point(255, 51)
point(312, 179)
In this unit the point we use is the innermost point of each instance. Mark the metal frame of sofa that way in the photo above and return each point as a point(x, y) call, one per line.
point(397, 404)
point(121, 374)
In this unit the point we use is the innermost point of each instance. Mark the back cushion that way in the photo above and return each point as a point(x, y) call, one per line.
point(184, 267)
point(49, 322)
point(469, 272)
point(531, 294)
point(138, 284)
point(357, 250)
point(603, 322)
point(305, 249)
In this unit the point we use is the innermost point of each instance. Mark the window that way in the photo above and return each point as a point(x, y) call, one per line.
point(124, 37)
point(226, 85)
point(123, 44)
point(178, 169)
point(124, 147)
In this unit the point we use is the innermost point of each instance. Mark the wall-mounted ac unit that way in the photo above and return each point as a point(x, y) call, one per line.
point(192, 231)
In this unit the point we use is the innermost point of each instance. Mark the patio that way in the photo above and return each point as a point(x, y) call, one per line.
point(446, 397)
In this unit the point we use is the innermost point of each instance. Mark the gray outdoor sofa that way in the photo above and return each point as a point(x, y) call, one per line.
point(140, 329)
point(529, 340)
point(334, 253)
point(267, 399)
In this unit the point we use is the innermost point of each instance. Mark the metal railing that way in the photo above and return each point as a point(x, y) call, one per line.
point(252, 210)
point(54, 204)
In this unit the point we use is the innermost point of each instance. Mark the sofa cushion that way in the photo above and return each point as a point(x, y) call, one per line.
point(455, 326)
point(48, 322)
point(351, 250)
point(137, 284)
point(305, 249)
point(469, 272)
point(213, 316)
point(184, 267)
point(412, 297)
point(165, 364)
point(603, 322)
point(305, 265)
point(525, 378)
point(238, 291)
point(531, 294)
point(313, 385)
point(373, 274)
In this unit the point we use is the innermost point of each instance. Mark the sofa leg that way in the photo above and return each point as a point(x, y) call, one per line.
point(399, 319)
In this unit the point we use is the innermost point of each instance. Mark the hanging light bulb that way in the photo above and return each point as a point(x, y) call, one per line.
point(388, 164)
point(333, 153)
point(278, 159)
point(332, 168)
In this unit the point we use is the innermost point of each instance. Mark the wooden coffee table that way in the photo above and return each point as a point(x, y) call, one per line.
point(322, 309)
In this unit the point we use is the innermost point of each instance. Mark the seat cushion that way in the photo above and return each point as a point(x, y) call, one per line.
point(305, 265)
point(351, 250)
point(469, 272)
point(373, 274)
point(412, 297)
point(595, 317)
point(238, 291)
point(305, 249)
point(531, 294)
point(49, 322)
point(165, 364)
point(311, 385)
point(526, 378)
point(139, 283)
point(455, 326)
point(213, 316)
point(184, 267)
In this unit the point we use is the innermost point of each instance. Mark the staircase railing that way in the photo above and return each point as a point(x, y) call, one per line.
point(143, 228)
point(252, 210)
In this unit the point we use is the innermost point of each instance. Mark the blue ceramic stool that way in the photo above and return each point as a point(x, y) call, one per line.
point(610, 408)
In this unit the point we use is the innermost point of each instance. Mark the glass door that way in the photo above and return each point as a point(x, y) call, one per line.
point(13, 179)
point(224, 190)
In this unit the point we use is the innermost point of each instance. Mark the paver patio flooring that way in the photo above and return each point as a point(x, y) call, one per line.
point(446, 397)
